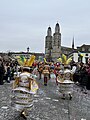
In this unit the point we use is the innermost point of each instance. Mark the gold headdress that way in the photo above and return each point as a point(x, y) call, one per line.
point(25, 62)
point(64, 60)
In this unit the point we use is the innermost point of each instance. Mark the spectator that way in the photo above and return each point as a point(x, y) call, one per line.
point(2, 71)
point(88, 71)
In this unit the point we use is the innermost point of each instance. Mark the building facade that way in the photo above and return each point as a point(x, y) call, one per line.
point(53, 48)
point(53, 44)
point(81, 54)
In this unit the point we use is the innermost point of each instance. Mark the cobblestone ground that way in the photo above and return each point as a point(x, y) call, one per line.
point(48, 104)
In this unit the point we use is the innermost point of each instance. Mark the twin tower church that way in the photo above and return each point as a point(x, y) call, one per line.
point(53, 48)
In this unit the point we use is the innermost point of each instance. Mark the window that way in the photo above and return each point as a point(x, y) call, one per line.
point(88, 49)
point(83, 49)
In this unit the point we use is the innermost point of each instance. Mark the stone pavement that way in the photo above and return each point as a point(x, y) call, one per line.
point(48, 104)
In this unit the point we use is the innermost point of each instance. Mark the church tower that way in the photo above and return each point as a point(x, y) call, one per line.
point(56, 43)
point(48, 44)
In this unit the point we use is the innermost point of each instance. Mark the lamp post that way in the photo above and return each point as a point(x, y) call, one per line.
point(27, 52)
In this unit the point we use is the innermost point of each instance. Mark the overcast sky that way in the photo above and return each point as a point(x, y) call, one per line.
point(24, 23)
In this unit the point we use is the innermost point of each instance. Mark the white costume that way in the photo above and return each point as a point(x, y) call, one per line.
point(23, 92)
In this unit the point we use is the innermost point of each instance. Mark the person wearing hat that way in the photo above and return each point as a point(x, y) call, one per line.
point(46, 74)
point(24, 87)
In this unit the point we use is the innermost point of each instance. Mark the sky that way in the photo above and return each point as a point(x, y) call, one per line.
point(24, 23)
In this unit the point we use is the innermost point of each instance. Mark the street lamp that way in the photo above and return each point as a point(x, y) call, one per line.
point(27, 52)
point(27, 49)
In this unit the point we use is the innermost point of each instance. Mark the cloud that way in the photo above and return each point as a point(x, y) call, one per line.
point(24, 23)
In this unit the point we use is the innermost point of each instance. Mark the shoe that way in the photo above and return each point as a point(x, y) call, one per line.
point(23, 114)
point(85, 92)
point(63, 98)
point(8, 81)
point(1, 83)
point(70, 96)
point(45, 84)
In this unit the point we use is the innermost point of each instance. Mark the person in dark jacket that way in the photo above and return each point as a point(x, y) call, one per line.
point(83, 77)
point(2, 71)
point(88, 71)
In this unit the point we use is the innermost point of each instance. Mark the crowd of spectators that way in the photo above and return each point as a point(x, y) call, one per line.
point(80, 71)
point(7, 69)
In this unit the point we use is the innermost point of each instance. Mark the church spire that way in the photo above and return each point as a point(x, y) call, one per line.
point(49, 31)
point(57, 28)
point(73, 43)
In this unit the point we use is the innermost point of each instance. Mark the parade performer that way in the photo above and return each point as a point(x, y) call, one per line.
point(40, 69)
point(2, 71)
point(65, 82)
point(88, 71)
point(24, 87)
point(66, 64)
point(46, 74)
point(60, 76)
point(56, 71)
